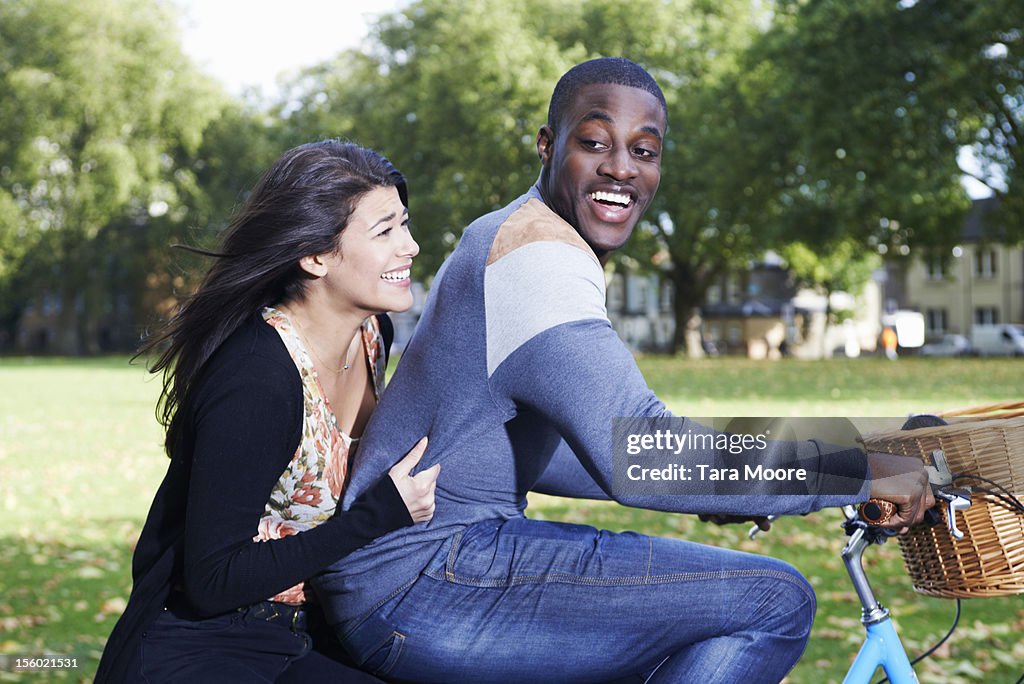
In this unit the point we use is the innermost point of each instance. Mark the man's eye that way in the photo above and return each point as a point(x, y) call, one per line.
point(384, 232)
point(593, 144)
point(644, 152)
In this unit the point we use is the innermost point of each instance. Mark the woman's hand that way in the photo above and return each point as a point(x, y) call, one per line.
point(417, 490)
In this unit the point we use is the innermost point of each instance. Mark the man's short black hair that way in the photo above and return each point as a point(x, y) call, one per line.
point(600, 71)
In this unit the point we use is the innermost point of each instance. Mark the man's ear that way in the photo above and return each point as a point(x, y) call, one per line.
point(545, 144)
point(314, 265)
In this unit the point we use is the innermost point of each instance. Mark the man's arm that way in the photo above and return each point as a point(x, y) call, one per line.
point(566, 476)
point(552, 349)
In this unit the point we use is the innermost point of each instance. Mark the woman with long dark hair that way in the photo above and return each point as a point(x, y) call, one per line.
point(271, 370)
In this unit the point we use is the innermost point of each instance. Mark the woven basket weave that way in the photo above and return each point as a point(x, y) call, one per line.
point(989, 560)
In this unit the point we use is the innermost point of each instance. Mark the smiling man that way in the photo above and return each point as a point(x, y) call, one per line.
point(601, 157)
point(516, 374)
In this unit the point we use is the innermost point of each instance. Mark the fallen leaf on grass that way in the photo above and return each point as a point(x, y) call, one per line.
point(967, 669)
point(89, 572)
point(112, 606)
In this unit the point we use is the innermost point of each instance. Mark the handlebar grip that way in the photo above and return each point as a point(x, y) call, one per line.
point(876, 511)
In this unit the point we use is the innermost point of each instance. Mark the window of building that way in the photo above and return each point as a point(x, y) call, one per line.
point(733, 290)
point(667, 290)
point(714, 294)
point(636, 294)
point(935, 268)
point(986, 315)
point(985, 263)
point(935, 319)
point(615, 295)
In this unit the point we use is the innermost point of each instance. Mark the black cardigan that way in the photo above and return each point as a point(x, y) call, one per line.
point(244, 425)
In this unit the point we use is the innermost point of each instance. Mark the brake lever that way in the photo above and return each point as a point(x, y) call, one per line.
point(956, 499)
point(875, 512)
point(752, 532)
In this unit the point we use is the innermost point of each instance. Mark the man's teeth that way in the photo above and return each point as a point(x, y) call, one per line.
point(612, 197)
point(396, 276)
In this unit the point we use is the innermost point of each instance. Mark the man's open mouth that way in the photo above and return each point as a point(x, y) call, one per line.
point(611, 199)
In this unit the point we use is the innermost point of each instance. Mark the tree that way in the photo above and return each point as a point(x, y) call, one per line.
point(817, 121)
point(455, 92)
point(846, 121)
point(102, 114)
point(452, 93)
point(841, 267)
point(881, 96)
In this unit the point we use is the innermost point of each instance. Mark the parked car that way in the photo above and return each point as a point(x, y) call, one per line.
point(949, 345)
point(998, 340)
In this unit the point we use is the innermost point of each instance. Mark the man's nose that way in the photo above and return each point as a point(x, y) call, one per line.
point(618, 164)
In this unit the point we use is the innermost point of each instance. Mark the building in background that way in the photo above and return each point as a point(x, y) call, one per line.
point(758, 313)
point(979, 282)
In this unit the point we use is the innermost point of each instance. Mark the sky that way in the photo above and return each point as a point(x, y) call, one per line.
point(245, 43)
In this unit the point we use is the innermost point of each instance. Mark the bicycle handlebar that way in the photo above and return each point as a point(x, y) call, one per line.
point(877, 511)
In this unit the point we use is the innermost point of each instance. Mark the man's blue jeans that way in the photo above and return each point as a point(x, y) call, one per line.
point(521, 601)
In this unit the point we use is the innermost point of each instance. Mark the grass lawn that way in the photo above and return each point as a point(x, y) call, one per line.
point(80, 458)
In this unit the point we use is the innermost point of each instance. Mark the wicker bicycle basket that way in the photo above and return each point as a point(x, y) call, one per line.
point(989, 560)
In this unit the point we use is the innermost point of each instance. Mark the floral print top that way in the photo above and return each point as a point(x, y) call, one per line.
point(309, 489)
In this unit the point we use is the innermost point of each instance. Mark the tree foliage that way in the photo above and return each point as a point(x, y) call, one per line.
point(824, 122)
point(453, 93)
point(830, 124)
point(102, 115)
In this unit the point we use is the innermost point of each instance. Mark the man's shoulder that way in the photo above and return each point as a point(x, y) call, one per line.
point(530, 223)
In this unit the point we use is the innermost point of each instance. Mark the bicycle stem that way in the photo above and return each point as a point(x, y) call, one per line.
point(853, 557)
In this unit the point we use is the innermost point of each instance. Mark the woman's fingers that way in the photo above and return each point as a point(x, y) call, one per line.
point(417, 490)
point(428, 477)
point(405, 466)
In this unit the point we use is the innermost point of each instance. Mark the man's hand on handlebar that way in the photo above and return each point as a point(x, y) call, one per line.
point(903, 481)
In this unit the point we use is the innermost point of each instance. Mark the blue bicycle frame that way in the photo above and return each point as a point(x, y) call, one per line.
point(882, 646)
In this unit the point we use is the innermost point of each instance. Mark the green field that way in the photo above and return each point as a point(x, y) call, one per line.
point(80, 458)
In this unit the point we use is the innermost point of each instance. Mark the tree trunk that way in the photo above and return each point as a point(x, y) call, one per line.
point(826, 352)
point(68, 338)
point(686, 301)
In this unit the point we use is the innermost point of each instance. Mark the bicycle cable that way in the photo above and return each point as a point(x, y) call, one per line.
point(1003, 494)
point(915, 661)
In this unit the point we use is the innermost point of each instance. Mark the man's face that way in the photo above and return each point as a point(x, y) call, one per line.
point(602, 164)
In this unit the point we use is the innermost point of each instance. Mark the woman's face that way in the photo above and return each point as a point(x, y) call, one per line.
point(370, 271)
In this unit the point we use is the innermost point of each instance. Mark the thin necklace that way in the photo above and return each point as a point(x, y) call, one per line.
point(305, 340)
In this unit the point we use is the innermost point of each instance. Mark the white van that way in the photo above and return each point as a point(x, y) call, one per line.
point(998, 340)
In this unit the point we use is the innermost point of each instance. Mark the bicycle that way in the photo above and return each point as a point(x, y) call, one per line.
point(882, 646)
